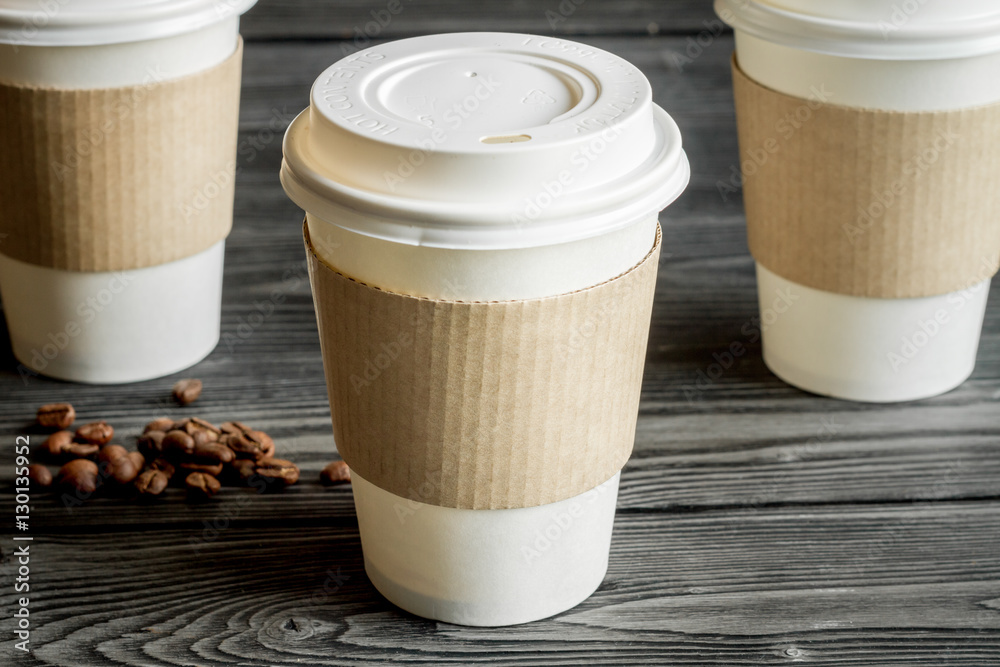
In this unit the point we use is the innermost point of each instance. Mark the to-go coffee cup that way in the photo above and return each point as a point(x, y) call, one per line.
point(481, 222)
point(864, 137)
point(117, 190)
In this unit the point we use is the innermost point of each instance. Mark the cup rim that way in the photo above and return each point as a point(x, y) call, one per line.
point(912, 40)
point(100, 22)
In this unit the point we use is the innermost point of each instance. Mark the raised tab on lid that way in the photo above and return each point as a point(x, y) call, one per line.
point(93, 22)
point(464, 140)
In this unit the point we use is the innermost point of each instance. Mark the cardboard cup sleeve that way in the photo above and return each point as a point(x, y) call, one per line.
point(119, 178)
point(484, 405)
point(868, 202)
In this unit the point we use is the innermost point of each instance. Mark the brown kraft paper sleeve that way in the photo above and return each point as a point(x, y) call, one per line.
point(867, 202)
point(119, 178)
point(484, 405)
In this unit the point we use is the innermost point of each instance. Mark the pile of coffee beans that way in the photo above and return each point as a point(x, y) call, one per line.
point(189, 452)
point(205, 456)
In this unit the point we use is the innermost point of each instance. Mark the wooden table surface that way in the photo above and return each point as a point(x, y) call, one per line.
point(757, 524)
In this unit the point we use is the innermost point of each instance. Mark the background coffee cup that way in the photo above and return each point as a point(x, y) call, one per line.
point(890, 56)
point(109, 326)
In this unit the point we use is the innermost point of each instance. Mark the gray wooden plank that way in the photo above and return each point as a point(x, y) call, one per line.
point(362, 20)
point(745, 431)
point(693, 461)
point(850, 585)
point(757, 524)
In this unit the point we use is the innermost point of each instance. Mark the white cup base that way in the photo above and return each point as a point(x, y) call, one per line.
point(485, 567)
point(867, 349)
point(113, 327)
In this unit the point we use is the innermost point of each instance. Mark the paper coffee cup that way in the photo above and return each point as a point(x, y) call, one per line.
point(891, 56)
point(120, 324)
point(474, 173)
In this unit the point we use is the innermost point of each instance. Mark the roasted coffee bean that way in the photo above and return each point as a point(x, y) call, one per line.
point(111, 453)
point(138, 460)
point(201, 437)
point(234, 427)
point(187, 391)
point(335, 473)
point(212, 452)
point(201, 485)
point(39, 475)
point(232, 440)
point(202, 431)
point(58, 442)
point(199, 423)
point(241, 471)
point(250, 444)
point(259, 436)
point(60, 445)
point(160, 424)
point(124, 470)
point(213, 469)
point(177, 443)
point(82, 449)
point(56, 415)
point(79, 475)
point(118, 464)
point(277, 471)
point(257, 452)
point(95, 433)
point(150, 444)
point(57, 445)
point(151, 482)
point(164, 466)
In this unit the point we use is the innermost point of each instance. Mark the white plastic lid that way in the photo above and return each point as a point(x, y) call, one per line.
point(92, 22)
point(875, 29)
point(483, 140)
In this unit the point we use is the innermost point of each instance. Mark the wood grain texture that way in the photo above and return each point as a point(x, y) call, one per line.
point(719, 587)
point(757, 524)
point(391, 19)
